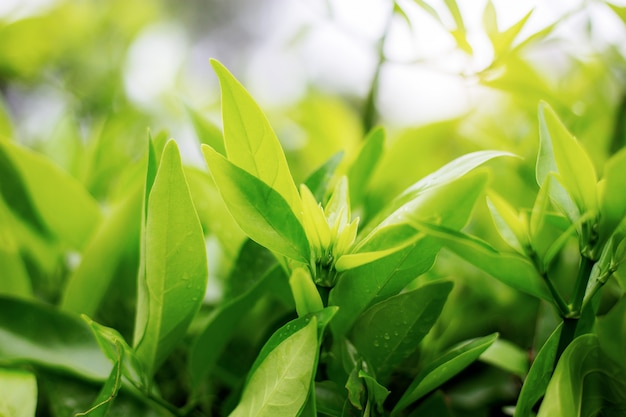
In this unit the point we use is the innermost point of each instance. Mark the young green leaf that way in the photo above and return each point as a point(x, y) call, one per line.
point(88, 283)
point(511, 227)
point(318, 181)
point(206, 131)
point(279, 385)
point(359, 288)
point(391, 330)
point(510, 268)
point(613, 198)
point(40, 335)
point(442, 369)
point(364, 165)
point(250, 141)
point(259, 209)
point(304, 292)
point(459, 33)
point(538, 376)
point(175, 264)
point(64, 206)
point(119, 353)
point(107, 394)
point(561, 153)
point(585, 383)
point(18, 393)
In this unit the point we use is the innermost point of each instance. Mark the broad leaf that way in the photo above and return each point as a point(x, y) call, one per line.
point(175, 264)
point(539, 375)
point(15, 280)
point(585, 383)
point(18, 393)
point(38, 334)
point(364, 285)
point(391, 330)
point(442, 369)
point(60, 201)
point(250, 142)
point(510, 268)
point(561, 153)
point(259, 209)
point(88, 283)
point(281, 377)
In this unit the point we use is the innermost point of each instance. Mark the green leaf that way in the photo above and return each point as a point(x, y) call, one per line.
point(585, 383)
point(47, 193)
point(38, 334)
point(390, 331)
point(510, 268)
point(207, 131)
point(507, 356)
point(459, 33)
point(304, 292)
point(511, 227)
point(213, 339)
point(18, 393)
point(376, 393)
point(119, 353)
point(175, 264)
point(280, 383)
point(250, 142)
point(104, 400)
point(259, 210)
point(15, 279)
point(613, 198)
point(561, 153)
point(116, 235)
point(360, 287)
point(433, 405)
point(539, 375)
point(318, 181)
point(442, 369)
point(364, 165)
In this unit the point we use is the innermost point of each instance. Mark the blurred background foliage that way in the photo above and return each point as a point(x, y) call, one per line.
point(81, 82)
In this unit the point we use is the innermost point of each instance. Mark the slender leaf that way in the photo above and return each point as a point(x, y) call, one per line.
point(250, 142)
point(258, 209)
point(359, 288)
point(88, 283)
point(107, 394)
point(561, 153)
point(18, 393)
point(539, 375)
point(213, 339)
point(508, 356)
point(207, 131)
point(443, 368)
point(318, 181)
point(585, 383)
point(391, 330)
point(510, 268)
point(511, 227)
point(45, 192)
point(41, 335)
point(15, 280)
point(175, 263)
point(363, 166)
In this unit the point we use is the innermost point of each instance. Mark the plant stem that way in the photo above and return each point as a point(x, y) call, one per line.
point(570, 320)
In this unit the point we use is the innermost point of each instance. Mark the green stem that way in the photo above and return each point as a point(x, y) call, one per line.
point(556, 296)
point(584, 272)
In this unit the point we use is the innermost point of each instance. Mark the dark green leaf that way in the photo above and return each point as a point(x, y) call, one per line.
point(443, 368)
point(585, 383)
point(510, 268)
point(390, 331)
point(539, 375)
point(258, 209)
point(40, 335)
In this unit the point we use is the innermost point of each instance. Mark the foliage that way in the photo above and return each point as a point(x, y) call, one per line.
point(468, 267)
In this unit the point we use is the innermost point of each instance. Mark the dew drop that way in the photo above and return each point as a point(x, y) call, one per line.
point(376, 343)
point(386, 336)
